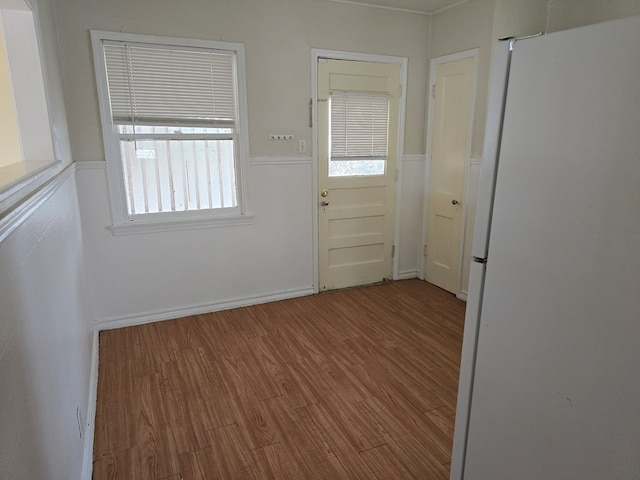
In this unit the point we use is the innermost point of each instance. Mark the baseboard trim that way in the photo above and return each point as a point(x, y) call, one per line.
point(90, 426)
point(462, 295)
point(149, 317)
point(407, 274)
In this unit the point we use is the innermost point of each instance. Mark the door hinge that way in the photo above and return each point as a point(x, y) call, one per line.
point(393, 251)
point(311, 113)
point(433, 90)
point(424, 250)
point(400, 90)
point(395, 178)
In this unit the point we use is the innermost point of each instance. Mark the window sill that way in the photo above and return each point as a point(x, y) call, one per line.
point(140, 227)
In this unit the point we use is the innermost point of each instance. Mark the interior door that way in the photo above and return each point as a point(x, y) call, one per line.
point(356, 188)
point(449, 136)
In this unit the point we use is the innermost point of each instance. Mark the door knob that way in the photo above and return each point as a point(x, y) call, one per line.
point(454, 202)
point(324, 203)
point(324, 193)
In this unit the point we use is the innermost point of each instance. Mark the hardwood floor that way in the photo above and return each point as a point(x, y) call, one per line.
point(351, 384)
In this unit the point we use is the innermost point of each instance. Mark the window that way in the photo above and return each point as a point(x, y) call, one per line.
point(359, 128)
point(174, 122)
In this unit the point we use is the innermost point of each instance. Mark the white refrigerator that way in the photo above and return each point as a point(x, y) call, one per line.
point(550, 373)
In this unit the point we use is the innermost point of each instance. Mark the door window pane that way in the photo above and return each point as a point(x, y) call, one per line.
point(359, 134)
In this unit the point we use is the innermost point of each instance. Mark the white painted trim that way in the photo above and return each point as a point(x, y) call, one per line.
point(12, 193)
point(473, 161)
point(117, 196)
point(402, 108)
point(315, 55)
point(89, 431)
point(415, 158)
point(403, 62)
point(266, 160)
point(382, 7)
point(407, 274)
point(465, 196)
point(280, 161)
point(46, 74)
point(178, 224)
point(421, 158)
point(116, 191)
point(453, 57)
point(148, 317)
point(92, 165)
point(473, 53)
point(17, 216)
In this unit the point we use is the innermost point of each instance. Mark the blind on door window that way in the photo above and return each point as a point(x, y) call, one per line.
point(162, 85)
point(359, 125)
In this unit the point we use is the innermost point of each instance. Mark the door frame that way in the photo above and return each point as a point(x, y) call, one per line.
point(403, 62)
point(433, 64)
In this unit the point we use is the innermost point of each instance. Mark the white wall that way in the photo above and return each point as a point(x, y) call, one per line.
point(162, 274)
point(154, 275)
point(565, 14)
point(29, 91)
point(478, 24)
point(166, 275)
point(10, 150)
point(519, 18)
point(457, 29)
point(278, 36)
point(464, 27)
point(412, 199)
point(45, 341)
point(46, 329)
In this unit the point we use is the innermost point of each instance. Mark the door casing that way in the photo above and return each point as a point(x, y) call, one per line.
point(361, 57)
point(473, 53)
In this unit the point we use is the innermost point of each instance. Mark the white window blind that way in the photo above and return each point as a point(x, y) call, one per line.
point(359, 125)
point(173, 107)
point(167, 85)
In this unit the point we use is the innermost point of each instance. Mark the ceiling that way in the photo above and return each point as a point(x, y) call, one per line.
point(418, 6)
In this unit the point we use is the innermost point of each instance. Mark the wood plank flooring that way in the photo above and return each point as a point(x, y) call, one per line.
point(351, 384)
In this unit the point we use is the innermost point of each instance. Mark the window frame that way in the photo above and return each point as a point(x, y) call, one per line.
point(122, 221)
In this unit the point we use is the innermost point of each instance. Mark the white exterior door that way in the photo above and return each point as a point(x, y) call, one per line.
point(357, 144)
point(451, 121)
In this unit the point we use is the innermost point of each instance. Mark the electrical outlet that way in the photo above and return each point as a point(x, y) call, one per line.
point(302, 146)
point(280, 136)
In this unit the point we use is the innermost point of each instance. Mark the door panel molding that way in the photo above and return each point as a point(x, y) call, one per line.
point(317, 54)
point(433, 64)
